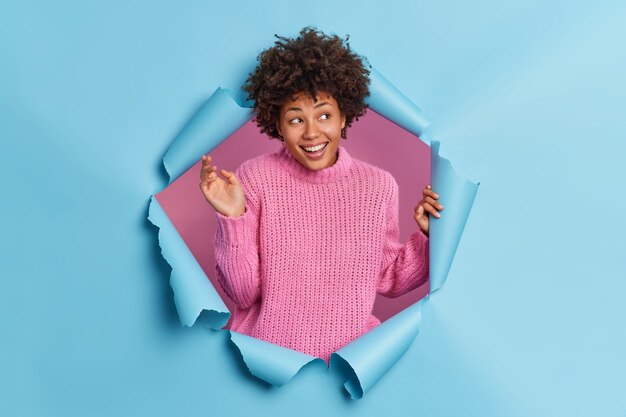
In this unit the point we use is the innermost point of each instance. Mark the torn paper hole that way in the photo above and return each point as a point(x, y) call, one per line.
point(184, 218)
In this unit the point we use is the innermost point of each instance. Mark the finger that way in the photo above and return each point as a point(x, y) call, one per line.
point(429, 192)
point(422, 220)
point(208, 178)
point(433, 203)
point(430, 209)
point(230, 176)
point(207, 169)
point(420, 216)
point(209, 173)
point(206, 161)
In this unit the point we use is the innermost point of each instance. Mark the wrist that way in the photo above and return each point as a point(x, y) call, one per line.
point(237, 213)
point(240, 213)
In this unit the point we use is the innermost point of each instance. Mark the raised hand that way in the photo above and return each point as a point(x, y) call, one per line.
point(427, 205)
point(225, 194)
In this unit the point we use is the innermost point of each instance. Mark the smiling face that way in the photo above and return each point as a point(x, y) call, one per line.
point(311, 129)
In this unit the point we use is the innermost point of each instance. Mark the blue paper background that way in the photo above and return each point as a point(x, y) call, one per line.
point(526, 97)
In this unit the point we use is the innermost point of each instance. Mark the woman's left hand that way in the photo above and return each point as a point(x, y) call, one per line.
point(427, 205)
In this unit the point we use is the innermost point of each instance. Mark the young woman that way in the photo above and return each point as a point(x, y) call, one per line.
point(307, 236)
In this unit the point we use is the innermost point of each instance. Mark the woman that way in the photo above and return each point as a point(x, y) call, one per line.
point(307, 236)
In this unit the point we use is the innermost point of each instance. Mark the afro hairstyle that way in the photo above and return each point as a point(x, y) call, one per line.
point(311, 62)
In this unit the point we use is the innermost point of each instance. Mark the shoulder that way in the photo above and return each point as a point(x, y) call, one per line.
point(252, 174)
point(376, 177)
point(255, 163)
point(253, 168)
point(257, 173)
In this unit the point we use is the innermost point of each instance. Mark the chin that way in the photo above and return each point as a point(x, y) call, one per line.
point(317, 165)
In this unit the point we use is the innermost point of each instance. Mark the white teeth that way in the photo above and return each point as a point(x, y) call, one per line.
point(315, 148)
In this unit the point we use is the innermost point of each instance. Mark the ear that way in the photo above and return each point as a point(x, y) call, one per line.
point(278, 128)
point(343, 120)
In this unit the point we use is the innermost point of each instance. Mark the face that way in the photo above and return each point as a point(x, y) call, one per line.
point(311, 130)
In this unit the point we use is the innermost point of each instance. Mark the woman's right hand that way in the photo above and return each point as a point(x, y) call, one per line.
point(225, 195)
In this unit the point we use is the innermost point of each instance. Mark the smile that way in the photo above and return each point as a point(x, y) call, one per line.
point(316, 148)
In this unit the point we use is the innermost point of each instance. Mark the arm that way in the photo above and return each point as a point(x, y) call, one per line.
point(404, 267)
point(236, 251)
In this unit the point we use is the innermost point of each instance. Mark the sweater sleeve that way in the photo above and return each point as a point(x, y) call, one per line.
point(236, 250)
point(404, 267)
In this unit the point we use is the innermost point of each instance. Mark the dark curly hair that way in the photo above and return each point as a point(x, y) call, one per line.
point(312, 62)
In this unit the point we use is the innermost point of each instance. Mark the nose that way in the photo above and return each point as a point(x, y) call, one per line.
point(312, 131)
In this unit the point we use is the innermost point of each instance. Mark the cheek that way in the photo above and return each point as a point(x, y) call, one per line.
point(289, 132)
point(333, 129)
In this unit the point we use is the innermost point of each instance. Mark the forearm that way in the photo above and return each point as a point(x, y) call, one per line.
point(406, 266)
point(237, 258)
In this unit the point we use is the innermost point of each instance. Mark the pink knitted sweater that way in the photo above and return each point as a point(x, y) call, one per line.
point(303, 264)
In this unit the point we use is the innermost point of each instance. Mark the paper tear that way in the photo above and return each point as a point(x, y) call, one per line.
point(270, 362)
point(193, 292)
point(365, 360)
point(457, 196)
point(370, 356)
point(217, 118)
point(388, 101)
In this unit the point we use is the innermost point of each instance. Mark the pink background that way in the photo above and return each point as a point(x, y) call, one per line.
point(372, 139)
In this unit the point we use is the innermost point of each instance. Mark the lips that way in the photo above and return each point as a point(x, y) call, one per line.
point(317, 155)
point(314, 148)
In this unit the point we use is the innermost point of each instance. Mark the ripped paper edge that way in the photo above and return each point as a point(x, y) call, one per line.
point(366, 359)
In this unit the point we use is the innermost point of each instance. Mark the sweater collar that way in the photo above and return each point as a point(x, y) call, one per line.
point(326, 175)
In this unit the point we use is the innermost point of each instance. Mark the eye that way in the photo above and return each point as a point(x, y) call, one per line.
point(325, 116)
point(295, 120)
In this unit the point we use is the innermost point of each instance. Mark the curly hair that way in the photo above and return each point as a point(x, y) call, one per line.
point(312, 62)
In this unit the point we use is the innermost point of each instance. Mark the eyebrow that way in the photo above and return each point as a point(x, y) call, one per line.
point(315, 107)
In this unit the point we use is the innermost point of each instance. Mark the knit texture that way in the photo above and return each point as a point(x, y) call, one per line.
point(304, 262)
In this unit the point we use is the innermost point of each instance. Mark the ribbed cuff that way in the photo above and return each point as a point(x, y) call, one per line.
point(235, 231)
point(420, 243)
point(423, 234)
